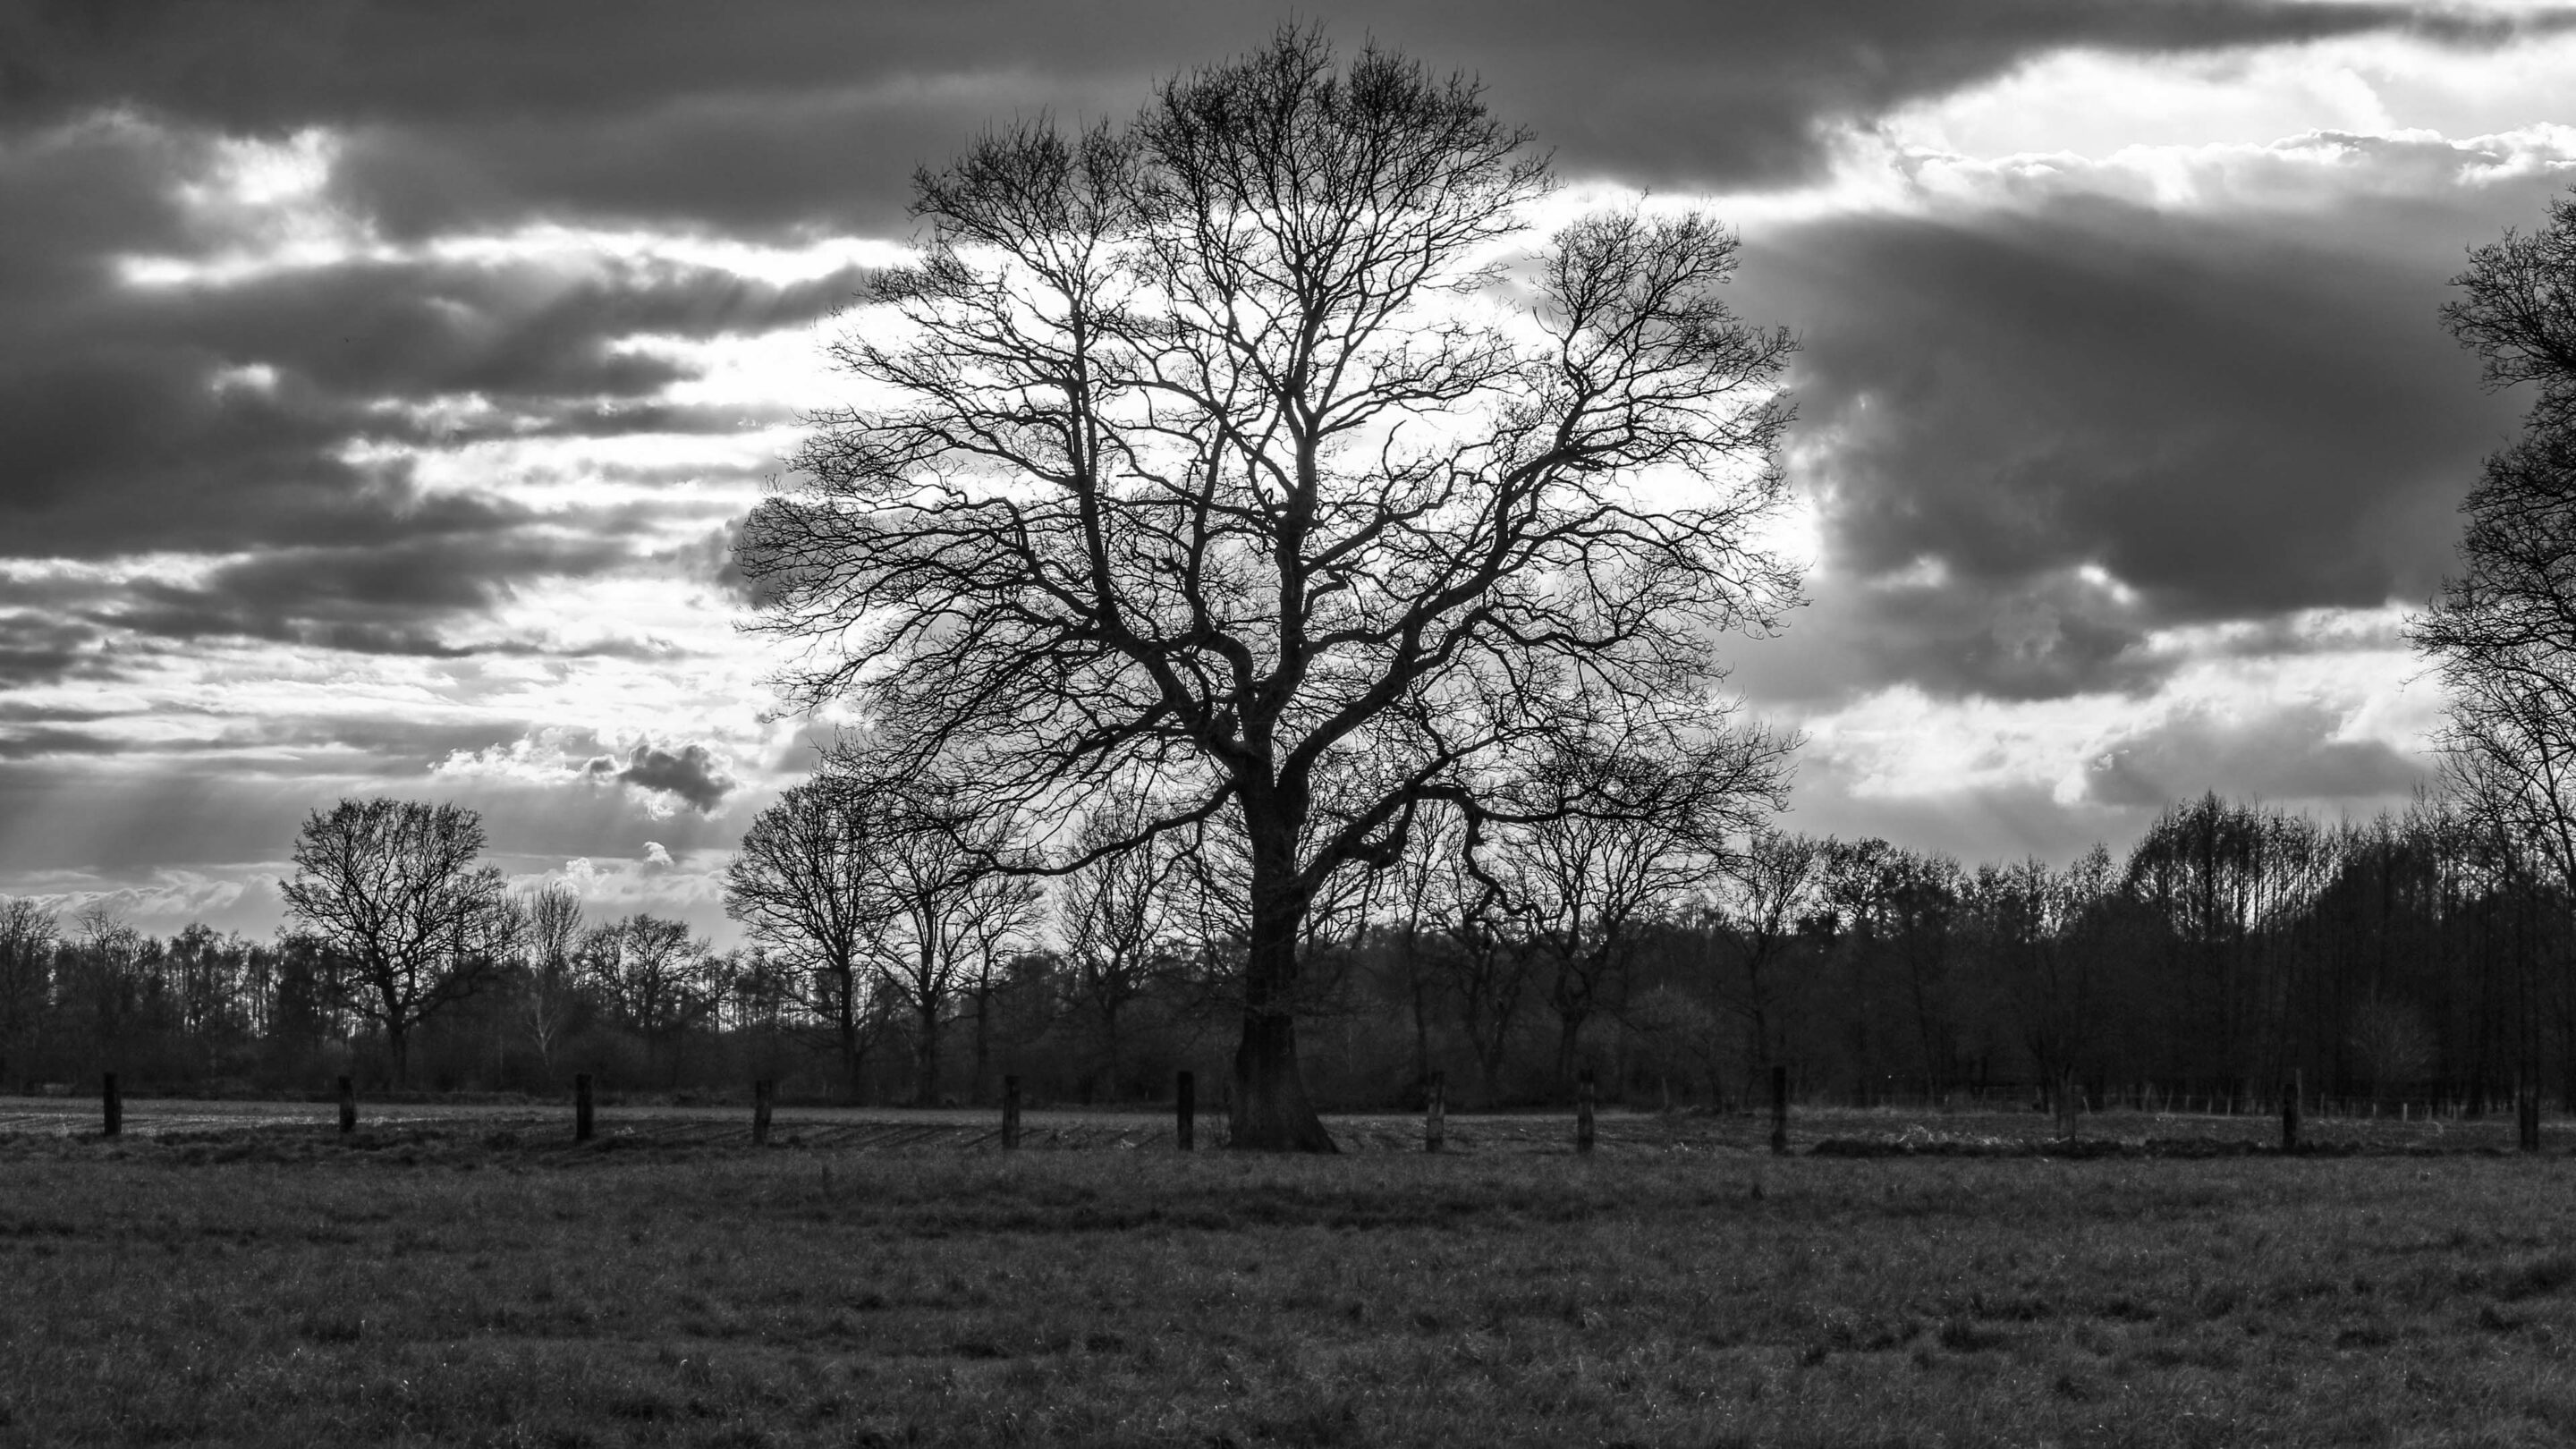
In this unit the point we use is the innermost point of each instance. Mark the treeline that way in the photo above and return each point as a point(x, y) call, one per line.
point(2411, 956)
point(2414, 956)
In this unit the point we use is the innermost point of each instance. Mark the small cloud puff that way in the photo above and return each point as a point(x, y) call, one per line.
point(690, 775)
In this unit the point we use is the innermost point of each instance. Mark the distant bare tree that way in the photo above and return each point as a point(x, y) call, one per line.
point(204, 971)
point(1229, 451)
point(553, 1000)
point(1480, 958)
point(103, 988)
point(805, 883)
point(391, 886)
point(2043, 939)
point(655, 975)
point(1768, 892)
point(1584, 888)
point(29, 936)
point(1116, 913)
point(948, 915)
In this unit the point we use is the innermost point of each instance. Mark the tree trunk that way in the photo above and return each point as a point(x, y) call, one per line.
point(847, 1021)
point(1271, 1112)
point(1569, 1043)
point(983, 1038)
point(926, 1086)
point(1109, 1036)
point(1421, 1016)
point(1489, 1074)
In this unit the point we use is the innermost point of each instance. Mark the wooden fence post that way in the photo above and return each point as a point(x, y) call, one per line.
point(348, 1106)
point(762, 1092)
point(581, 1116)
point(1010, 1114)
point(1583, 1112)
point(2290, 1115)
point(1779, 1110)
point(1185, 1112)
point(111, 1105)
point(1435, 1112)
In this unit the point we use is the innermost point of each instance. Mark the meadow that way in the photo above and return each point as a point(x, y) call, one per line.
point(478, 1281)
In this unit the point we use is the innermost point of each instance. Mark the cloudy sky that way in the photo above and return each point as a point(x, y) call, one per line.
point(379, 386)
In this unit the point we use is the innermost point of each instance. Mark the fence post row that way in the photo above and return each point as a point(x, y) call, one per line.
point(762, 1092)
point(111, 1106)
point(1185, 1112)
point(1010, 1113)
point(348, 1106)
point(1435, 1112)
point(581, 1115)
point(1583, 1112)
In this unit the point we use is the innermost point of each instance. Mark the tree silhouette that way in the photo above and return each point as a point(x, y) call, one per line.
point(1769, 891)
point(550, 998)
point(392, 888)
point(655, 977)
point(804, 884)
point(29, 939)
point(947, 917)
point(1239, 456)
point(2503, 629)
point(1117, 914)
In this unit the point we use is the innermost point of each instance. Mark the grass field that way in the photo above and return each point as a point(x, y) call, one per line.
point(457, 1282)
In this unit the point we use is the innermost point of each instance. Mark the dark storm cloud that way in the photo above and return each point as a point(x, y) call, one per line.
point(2289, 755)
point(714, 557)
point(266, 415)
point(123, 435)
point(41, 648)
point(389, 598)
point(689, 774)
point(511, 332)
point(120, 437)
point(2047, 429)
point(772, 115)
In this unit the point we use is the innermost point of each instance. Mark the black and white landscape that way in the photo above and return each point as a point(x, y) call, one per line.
point(693, 698)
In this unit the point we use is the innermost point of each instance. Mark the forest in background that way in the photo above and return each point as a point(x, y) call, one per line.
point(2410, 957)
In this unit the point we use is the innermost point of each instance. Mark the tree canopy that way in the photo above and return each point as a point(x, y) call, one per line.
point(392, 886)
point(1250, 455)
point(2503, 628)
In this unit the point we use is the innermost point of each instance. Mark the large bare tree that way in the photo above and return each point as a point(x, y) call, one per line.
point(2517, 311)
point(392, 887)
point(1249, 454)
point(2503, 629)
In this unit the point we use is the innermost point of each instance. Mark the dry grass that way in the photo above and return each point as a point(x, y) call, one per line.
point(429, 1288)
